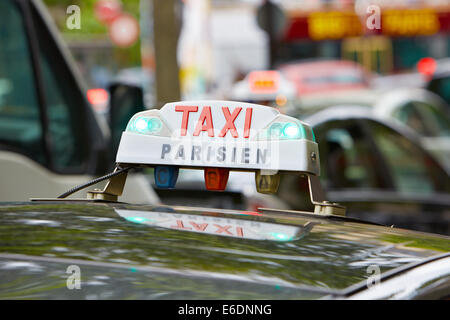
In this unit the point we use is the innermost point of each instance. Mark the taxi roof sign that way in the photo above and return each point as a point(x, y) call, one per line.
point(222, 134)
point(266, 81)
point(264, 85)
point(218, 136)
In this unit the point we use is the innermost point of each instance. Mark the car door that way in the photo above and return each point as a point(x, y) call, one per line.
point(378, 174)
point(441, 86)
point(351, 169)
point(415, 190)
point(49, 138)
point(432, 122)
point(43, 112)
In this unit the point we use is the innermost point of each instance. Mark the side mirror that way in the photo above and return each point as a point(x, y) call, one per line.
point(125, 101)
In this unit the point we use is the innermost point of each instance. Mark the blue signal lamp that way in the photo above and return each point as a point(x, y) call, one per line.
point(166, 176)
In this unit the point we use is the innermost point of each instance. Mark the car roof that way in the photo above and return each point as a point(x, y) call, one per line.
point(367, 97)
point(317, 101)
point(326, 254)
point(353, 112)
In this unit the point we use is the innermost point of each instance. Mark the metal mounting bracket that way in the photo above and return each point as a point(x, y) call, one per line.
point(112, 190)
point(322, 206)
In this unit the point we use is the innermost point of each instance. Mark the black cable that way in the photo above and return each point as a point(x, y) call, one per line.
point(97, 180)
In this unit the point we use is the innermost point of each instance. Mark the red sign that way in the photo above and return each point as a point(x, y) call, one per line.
point(107, 10)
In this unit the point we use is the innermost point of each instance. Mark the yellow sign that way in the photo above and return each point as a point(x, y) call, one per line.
point(394, 22)
point(409, 22)
point(333, 25)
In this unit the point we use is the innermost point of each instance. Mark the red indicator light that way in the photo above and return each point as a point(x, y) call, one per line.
point(97, 97)
point(216, 178)
point(426, 66)
point(250, 213)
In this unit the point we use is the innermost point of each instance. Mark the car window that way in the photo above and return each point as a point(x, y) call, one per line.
point(20, 126)
point(347, 160)
point(441, 86)
point(63, 135)
point(437, 121)
point(65, 122)
point(410, 116)
point(412, 170)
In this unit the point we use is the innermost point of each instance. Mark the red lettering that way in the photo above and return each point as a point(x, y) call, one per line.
point(185, 120)
point(248, 122)
point(200, 227)
point(239, 232)
point(229, 125)
point(221, 229)
point(205, 116)
point(180, 225)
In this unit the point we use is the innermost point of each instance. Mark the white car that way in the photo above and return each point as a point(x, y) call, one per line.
point(425, 113)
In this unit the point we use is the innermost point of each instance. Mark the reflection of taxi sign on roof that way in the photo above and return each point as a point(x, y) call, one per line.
point(227, 227)
point(264, 85)
point(218, 136)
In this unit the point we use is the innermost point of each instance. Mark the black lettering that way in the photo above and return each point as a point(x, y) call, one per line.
point(221, 154)
point(263, 182)
point(180, 152)
point(245, 155)
point(163, 175)
point(212, 177)
point(196, 151)
point(165, 149)
point(261, 155)
point(209, 153)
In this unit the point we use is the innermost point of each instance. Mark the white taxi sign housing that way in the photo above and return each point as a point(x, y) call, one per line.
point(221, 134)
point(217, 136)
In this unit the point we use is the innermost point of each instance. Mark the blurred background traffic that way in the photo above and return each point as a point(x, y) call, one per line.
point(371, 77)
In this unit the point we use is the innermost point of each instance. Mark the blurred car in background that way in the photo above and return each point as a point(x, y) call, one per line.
point(431, 123)
point(50, 137)
point(425, 113)
point(267, 87)
point(377, 169)
point(325, 76)
point(440, 84)
point(431, 74)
